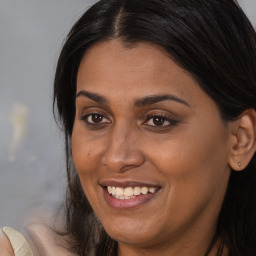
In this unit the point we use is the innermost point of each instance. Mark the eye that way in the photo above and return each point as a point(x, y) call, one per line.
point(95, 119)
point(159, 121)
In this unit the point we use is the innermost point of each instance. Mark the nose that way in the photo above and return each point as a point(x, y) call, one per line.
point(122, 150)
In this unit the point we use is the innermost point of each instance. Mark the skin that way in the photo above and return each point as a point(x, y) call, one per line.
point(5, 245)
point(187, 156)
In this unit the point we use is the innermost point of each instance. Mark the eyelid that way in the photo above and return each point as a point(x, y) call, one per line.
point(166, 117)
point(94, 113)
point(85, 111)
point(85, 115)
point(83, 107)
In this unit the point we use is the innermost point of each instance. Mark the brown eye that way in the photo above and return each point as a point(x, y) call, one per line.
point(158, 121)
point(95, 118)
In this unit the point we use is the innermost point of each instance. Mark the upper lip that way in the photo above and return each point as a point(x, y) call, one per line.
point(124, 184)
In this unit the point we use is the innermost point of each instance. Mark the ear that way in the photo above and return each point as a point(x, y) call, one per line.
point(243, 140)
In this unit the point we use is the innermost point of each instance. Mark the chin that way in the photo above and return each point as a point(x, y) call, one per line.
point(132, 233)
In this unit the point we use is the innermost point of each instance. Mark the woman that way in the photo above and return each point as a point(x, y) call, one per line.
point(157, 100)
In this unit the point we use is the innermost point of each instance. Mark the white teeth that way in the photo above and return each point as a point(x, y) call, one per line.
point(129, 192)
point(109, 190)
point(113, 191)
point(152, 190)
point(144, 190)
point(136, 191)
point(119, 191)
point(124, 197)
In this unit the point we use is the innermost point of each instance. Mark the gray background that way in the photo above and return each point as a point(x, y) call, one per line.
point(32, 165)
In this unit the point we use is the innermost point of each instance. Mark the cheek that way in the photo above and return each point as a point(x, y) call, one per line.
point(85, 148)
point(193, 150)
point(86, 155)
point(194, 162)
point(194, 167)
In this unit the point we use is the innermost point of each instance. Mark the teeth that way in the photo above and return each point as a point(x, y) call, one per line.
point(119, 191)
point(124, 197)
point(109, 190)
point(136, 191)
point(129, 192)
point(152, 190)
point(144, 190)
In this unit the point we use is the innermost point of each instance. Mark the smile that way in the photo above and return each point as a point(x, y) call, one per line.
point(125, 195)
point(129, 192)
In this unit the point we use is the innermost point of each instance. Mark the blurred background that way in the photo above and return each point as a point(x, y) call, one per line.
point(32, 164)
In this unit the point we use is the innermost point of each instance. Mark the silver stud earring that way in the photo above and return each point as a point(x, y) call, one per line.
point(239, 164)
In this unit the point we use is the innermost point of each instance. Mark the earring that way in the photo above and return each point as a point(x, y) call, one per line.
point(239, 164)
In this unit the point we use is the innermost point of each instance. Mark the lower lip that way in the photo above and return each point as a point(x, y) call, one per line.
point(128, 203)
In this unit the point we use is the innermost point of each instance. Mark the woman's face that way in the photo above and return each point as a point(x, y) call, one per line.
point(149, 146)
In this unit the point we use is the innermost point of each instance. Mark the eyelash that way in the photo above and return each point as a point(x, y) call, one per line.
point(94, 125)
point(163, 118)
point(160, 116)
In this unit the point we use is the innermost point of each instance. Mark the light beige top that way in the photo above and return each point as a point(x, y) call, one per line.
point(19, 243)
point(41, 241)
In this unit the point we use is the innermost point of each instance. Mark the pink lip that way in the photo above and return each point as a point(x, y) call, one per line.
point(127, 203)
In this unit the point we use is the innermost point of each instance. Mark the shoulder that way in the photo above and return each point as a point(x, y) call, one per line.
point(5, 245)
point(46, 241)
point(17, 242)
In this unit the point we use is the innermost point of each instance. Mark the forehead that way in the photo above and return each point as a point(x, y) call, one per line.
point(144, 68)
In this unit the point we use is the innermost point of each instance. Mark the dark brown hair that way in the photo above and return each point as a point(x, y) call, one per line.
point(212, 40)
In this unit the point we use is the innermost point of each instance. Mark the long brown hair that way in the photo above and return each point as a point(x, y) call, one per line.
point(215, 42)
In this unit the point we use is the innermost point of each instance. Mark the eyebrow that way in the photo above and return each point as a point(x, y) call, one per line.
point(145, 101)
point(153, 99)
point(93, 96)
